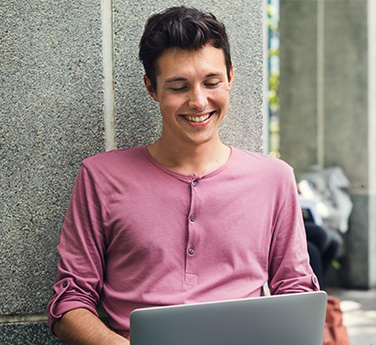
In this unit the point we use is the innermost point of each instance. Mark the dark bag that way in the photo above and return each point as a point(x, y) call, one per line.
point(335, 332)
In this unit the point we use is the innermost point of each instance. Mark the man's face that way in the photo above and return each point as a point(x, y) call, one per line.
point(193, 94)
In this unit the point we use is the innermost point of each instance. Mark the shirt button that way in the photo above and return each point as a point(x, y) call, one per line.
point(192, 218)
point(194, 183)
point(191, 251)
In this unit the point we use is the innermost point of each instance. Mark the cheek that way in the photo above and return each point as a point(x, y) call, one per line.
point(220, 97)
point(172, 103)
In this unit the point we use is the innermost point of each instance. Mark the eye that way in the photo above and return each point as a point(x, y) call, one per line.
point(178, 89)
point(212, 85)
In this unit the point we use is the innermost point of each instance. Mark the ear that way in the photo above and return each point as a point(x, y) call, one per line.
point(231, 77)
point(150, 88)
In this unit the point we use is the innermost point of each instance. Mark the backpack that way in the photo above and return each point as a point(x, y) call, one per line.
point(335, 332)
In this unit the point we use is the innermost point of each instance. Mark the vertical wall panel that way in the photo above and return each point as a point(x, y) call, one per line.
point(298, 83)
point(51, 109)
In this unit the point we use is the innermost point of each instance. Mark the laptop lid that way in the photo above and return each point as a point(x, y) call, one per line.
point(293, 319)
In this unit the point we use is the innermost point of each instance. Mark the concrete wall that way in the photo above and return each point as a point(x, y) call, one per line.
point(59, 103)
point(328, 109)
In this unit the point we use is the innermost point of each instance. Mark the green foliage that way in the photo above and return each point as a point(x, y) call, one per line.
point(336, 265)
point(273, 93)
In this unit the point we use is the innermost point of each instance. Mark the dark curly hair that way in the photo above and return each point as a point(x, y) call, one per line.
point(183, 28)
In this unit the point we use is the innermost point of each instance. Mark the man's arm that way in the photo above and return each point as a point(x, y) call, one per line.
point(82, 327)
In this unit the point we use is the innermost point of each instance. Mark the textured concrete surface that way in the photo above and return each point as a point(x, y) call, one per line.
point(50, 118)
point(361, 244)
point(27, 334)
point(298, 83)
point(138, 117)
point(346, 85)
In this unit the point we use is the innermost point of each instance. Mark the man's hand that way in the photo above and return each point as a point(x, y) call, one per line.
point(82, 327)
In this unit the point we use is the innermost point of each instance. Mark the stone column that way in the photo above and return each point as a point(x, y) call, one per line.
point(328, 110)
point(71, 87)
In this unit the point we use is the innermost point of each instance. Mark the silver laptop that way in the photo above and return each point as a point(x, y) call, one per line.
point(294, 319)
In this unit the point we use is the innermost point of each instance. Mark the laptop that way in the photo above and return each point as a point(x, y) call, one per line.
point(293, 319)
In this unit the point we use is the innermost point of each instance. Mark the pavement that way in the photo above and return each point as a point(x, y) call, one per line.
point(359, 314)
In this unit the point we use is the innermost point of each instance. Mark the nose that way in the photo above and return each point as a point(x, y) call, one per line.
point(197, 98)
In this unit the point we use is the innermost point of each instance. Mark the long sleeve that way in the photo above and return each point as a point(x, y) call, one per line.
point(289, 268)
point(82, 245)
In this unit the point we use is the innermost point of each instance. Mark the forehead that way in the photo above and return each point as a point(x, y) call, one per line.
point(184, 62)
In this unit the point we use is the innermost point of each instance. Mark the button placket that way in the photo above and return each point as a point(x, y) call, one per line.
point(191, 276)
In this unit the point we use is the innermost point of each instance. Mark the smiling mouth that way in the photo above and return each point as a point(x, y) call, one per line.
point(198, 119)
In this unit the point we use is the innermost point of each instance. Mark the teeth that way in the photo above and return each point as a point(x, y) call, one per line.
point(197, 118)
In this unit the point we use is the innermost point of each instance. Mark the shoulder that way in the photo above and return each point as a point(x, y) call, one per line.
point(272, 177)
point(261, 163)
point(117, 164)
point(117, 157)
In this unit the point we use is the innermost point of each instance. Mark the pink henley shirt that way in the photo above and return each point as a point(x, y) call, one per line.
point(139, 235)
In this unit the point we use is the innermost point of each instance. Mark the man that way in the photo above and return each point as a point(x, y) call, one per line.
point(186, 219)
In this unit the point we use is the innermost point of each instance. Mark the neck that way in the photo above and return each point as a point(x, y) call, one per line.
point(198, 159)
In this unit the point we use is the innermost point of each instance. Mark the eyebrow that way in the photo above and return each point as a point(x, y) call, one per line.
point(174, 79)
point(177, 79)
